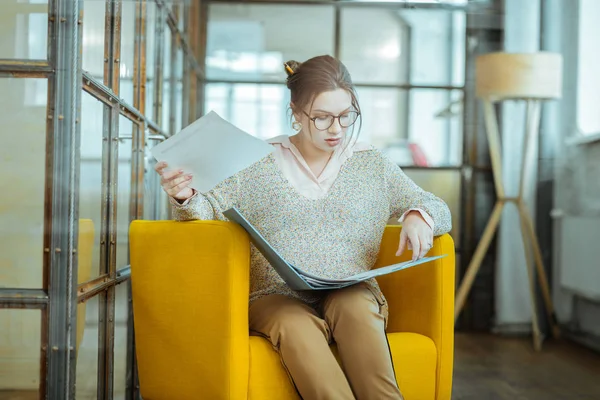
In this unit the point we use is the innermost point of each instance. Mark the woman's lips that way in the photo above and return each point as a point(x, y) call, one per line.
point(333, 142)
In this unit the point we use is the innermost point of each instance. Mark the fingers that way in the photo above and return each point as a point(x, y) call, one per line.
point(420, 243)
point(426, 244)
point(160, 166)
point(175, 182)
point(416, 244)
point(166, 176)
point(174, 186)
point(173, 191)
point(402, 245)
point(170, 179)
point(172, 182)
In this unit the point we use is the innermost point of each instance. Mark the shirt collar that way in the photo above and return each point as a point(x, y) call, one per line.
point(283, 140)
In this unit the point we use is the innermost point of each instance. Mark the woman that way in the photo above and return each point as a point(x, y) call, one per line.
point(323, 201)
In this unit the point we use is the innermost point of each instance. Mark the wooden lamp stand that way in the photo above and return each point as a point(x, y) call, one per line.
point(533, 77)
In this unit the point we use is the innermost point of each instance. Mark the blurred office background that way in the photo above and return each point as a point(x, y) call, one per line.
point(141, 70)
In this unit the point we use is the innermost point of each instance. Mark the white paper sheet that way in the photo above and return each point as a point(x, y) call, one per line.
point(212, 150)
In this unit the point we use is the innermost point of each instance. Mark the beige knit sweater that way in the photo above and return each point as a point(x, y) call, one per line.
point(335, 236)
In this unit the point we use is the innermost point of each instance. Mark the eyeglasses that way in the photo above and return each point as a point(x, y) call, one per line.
point(323, 123)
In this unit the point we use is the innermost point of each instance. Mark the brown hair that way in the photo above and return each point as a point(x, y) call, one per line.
point(319, 74)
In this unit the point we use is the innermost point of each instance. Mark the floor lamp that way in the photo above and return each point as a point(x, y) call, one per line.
point(532, 78)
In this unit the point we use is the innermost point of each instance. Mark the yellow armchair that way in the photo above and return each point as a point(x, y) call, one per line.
point(190, 283)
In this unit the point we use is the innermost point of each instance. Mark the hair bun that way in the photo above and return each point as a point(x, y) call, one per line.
point(293, 65)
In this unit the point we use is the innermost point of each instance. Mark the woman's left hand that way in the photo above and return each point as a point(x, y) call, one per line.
point(417, 234)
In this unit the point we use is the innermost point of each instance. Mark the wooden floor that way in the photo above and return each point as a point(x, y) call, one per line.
point(489, 367)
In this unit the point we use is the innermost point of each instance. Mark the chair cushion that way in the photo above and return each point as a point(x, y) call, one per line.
point(414, 356)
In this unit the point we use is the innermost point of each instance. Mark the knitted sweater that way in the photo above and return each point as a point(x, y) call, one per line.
point(335, 236)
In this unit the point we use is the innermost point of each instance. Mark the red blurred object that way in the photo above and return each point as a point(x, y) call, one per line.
point(406, 154)
point(419, 158)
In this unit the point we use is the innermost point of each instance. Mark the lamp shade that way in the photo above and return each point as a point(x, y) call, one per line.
point(503, 76)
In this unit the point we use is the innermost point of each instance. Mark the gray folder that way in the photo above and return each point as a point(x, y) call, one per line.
point(296, 278)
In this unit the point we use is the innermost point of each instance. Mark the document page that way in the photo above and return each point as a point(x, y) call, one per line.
point(212, 150)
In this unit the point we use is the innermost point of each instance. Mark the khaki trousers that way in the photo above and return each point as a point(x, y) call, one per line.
point(352, 318)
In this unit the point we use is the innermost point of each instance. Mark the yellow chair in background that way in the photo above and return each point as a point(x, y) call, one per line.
point(84, 270)
point(190, 285)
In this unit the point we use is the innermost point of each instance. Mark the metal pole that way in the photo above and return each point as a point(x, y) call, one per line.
point(337, 35)
point(25, 69)
point(102, 93)
point(106, 319)
point(23, 298)
point(62, 197)
point(137, 179)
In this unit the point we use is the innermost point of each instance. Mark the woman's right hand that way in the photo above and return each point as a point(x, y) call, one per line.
point(175, 183)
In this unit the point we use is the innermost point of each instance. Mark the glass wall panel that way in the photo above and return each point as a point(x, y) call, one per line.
point(403, 46)
point(420, 127)
point(121, 318)
point(261, 110)
point(385, 119)
point(126, 66)
point(24, 29)
point(375, 45)
point(446, 184)
point(437, 46)
point(166, 105)
point(91, 177)
point(166, 64)
point(94, 15)
point(182, 14)
point(156, 204)
point(20, 353)
point(435, 125)
point(179, 91)
point(22, 181)
point(250, 42)
point(126, 131)
point(87, 351)
point(178, 106)
point(24, 117)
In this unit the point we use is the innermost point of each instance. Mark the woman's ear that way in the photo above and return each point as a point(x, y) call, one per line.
point(294, 112)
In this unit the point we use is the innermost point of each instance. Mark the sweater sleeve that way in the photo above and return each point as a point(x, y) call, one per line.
point(210, 205)
point(404, 195)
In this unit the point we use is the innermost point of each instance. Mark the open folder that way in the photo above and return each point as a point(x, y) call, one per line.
point(298, 279)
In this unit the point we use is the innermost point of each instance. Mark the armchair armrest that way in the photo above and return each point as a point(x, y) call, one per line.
point(421, 299)
point(190, 283)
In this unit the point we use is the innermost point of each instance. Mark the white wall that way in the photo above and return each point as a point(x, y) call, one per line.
point(576, 189)
point(588, 96)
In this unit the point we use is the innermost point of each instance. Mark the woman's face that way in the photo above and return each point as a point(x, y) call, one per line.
point(320, 125)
